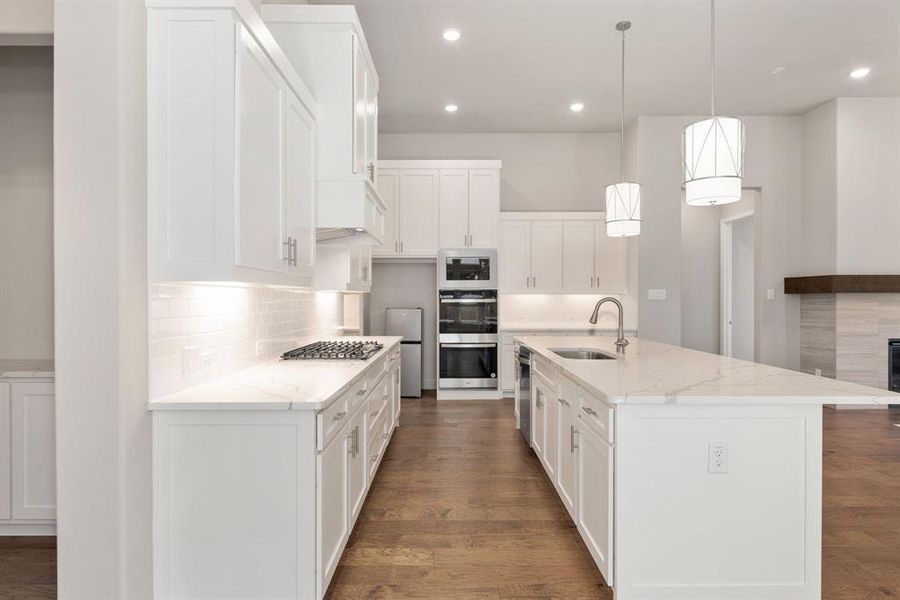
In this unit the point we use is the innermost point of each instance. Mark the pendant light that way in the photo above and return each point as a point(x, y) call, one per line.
point(712, 150)
point(623, 199)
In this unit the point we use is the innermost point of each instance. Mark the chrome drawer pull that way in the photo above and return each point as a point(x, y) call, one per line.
point(589, 410)
point(339, 416)
point(361, 392)
point(563, 402)
point(373, 413)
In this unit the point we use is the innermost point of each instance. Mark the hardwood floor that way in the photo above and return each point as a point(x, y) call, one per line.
point(460, 509)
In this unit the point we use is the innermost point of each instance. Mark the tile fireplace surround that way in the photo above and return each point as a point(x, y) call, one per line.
point(846, 335)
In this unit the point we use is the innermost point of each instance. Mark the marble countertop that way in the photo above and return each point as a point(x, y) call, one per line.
point(654, 373)
point(557, 326)
point(277, 384)
point(26, 367)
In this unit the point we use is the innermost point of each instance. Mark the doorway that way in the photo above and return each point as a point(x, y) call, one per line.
point(738, 286)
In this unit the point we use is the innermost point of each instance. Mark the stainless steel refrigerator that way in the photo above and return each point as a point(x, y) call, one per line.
point(408, 323)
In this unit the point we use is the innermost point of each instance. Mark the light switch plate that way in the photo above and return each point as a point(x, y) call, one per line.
point(656, 294)
point(770, 294)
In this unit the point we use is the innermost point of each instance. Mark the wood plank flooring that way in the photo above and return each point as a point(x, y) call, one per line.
point(461, 510)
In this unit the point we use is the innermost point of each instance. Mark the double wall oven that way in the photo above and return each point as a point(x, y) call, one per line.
point(468, 339)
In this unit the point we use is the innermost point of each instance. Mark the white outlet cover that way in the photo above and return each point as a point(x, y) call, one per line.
point(718, 457)
point(656, 294)
point(770, 294)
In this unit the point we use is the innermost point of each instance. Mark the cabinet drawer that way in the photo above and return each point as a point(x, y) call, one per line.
point(378, 402)
point(330, 421)
point(597, 414)
point(378, 440)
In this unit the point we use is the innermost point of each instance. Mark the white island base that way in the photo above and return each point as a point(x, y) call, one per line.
point(690, 476)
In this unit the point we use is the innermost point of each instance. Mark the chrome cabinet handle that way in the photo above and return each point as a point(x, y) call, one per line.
point(466, 241)
point(294, 251)
point(374, 413)
point(589, 410)
point(374, 458)
point(371, 170)
point(361, 392)
point(356, 440)
point(339, 416)
point(592, 281)
point(563, 402)
point(572, 444)
point(287, 246)
point(401, 246)
point(384, 436)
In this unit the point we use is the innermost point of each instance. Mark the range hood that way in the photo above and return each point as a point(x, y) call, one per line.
point(349, 211)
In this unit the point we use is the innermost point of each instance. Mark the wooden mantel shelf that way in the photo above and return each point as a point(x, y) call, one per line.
point(842, 284)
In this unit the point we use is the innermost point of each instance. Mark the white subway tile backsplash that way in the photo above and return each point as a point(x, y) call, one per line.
point(234, 327)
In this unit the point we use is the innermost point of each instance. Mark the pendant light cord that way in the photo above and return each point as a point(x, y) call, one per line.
point(622, 131)
point(712, 57)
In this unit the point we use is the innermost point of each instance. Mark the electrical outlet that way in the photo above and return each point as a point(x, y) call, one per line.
point(259, 348)
point(818, 372)
point(656, 294)
point(770, 294)
point(194, 360)
point(718, 457)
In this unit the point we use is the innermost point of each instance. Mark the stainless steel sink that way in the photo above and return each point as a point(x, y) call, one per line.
point(582, 354)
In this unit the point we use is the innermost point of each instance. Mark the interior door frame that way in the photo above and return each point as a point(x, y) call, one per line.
point(726, 284)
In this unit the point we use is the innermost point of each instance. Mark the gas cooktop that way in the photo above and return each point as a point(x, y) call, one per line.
point(334, 350)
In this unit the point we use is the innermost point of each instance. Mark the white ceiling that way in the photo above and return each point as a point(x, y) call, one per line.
point(520, 63)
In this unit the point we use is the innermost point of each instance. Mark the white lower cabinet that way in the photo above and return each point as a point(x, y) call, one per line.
point(567, 445)
point(579, 429)
point(297, 478)
point(332, 499)
point(27, 457)
point(595, 497)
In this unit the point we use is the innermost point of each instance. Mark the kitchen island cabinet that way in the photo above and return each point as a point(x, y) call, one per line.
point(258, 478)
point(695, 475)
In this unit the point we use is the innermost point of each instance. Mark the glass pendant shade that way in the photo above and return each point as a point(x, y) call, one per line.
point(623, 209)
point(713, 156)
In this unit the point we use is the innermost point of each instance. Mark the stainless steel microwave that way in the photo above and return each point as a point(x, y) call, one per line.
point(467, 268)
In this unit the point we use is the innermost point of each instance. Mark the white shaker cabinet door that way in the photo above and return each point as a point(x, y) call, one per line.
point(359, 107)
point(454, 208)
point(595, 497)
point(484, 207)
point(388, 183)
point(578, 255)
point(5, 445)
point(357, 471)
point(546, 255)
point(611, 259)
point(567, 474)
point(515, 255)
point(260, 240)
point(332, 506)
point(419, 212)
point(551, 433)
point(371, 126)
point(508, 367)
point(33, 451)
point(300, 185)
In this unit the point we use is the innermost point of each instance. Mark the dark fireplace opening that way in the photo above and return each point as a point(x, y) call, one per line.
point(894, 367)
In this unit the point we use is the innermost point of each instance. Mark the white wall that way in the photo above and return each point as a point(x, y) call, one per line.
point(868, 185)
point(541, 171)
point(102, 424)
point(743, 292)
point(408, 285)
point(819, 206)
point(232, 327)
point(26, 202)
point(773, 164)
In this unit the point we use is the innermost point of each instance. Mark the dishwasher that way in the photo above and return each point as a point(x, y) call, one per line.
point(523, 391)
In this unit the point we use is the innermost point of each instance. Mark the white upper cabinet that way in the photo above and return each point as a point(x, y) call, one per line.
point(464, 203)
point(454, 208)
point(418, 212)
point(484, 207)
point(327, 47)
point(344, 268)
point(231, 133)
point(561, 253)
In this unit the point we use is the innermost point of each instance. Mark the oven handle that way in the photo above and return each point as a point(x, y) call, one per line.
point(490, 345)
point(468, 301)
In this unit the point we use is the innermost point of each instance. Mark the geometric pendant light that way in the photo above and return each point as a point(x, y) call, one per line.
point(712, 150)
point(623, 199)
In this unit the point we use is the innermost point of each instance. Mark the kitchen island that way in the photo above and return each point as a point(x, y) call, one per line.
point(689, 475)
point(258, 477)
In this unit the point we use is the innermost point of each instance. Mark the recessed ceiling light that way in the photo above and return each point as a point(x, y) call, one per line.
point(778, 70)
point(576, 106)
point(860, 72)
point(451, 108)
point(452, 34)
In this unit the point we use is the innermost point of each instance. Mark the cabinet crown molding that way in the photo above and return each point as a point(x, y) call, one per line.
point(439, 164)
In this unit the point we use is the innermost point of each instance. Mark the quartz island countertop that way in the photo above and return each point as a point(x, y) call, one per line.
point(25, 367)
point(655, 373)
point(278, 384)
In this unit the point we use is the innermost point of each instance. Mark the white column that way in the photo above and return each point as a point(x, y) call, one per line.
point(103, 428)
